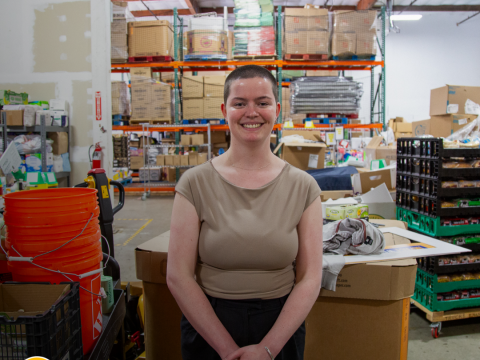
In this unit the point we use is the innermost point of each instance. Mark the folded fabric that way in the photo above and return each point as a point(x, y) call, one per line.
point(352, 236)
point(331, 267)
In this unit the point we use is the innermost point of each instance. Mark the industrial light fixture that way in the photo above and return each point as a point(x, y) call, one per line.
point(405, 17)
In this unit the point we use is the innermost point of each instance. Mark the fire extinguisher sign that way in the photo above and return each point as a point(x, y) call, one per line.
point(98, 105)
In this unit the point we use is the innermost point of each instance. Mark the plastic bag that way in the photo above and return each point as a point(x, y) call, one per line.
point(466, 131)
point(31, 144)
point(152, 156)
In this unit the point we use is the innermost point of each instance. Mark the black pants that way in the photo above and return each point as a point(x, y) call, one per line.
point(247, 321)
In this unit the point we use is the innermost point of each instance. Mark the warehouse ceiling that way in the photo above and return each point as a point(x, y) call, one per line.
point(151, 9)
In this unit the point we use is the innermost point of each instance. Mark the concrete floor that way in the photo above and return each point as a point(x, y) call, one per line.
point(139, 221)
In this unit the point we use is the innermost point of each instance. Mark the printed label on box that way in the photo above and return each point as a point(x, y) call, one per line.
point(313, 161)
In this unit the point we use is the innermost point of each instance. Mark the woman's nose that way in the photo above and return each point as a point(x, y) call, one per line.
point(251, 111)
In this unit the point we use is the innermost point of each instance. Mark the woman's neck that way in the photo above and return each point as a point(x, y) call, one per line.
point(249, 156)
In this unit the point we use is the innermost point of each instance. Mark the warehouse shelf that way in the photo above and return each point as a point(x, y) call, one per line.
point(345, 126)
point(173, 128)
point(173, 145)
point(37, 128)
point(430, 282)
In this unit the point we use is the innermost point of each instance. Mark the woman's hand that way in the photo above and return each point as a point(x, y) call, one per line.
point(252, 352)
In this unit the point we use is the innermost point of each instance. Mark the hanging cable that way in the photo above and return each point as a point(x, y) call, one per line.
point(461, 22)
point(151, 12)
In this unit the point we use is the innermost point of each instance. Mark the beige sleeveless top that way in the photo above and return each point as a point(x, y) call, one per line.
point(248, 237)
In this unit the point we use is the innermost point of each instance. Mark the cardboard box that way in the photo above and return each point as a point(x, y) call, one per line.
point(296, 42)
point(317, 42)
point(176, 160)
point(185, 139)
point(231, 44)
point(322, 73)
point(445, 99)
point(354, 21)
point(197, 139)
point(184, 160)
point(192, 87)
point(305, 156)
point(375, 150)
point(215, 137)
point(140, 74)
point(366, 43)
point(193, 109)
point(160, 160)
point(192, 158)
point(14, 117)
point(213, 86)
point(399, 135)
point(344, 44)
point(445, 125)
point(206, 42)
point(296, 19)
point(317, 19)
point(212, 108)
point(334, 195)
point(150, 38)
point(392, 123)
point(202, 158)
point(420, 128)
point(136, 162)
point(170, 176)
point(364, 181)
point(404, 127)
point(169, 160)
point(60, 142)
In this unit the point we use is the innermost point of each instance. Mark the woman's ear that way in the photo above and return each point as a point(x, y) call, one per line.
point(224, 112)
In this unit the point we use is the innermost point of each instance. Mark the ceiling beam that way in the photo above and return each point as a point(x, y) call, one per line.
point(447, 8)
point(365, 4)
point(143, 13)
point(193, 6)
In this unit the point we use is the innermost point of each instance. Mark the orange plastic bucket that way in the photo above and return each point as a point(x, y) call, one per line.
point(52, 230)
point(48, 218)
point(24, 208)
point(90, 305)
point(63, 198)
point(35, 245)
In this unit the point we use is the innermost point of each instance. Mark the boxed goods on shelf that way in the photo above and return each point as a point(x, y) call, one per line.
point(306, 31)
point(192, 87)
point(451, 99)
point(118, 35)
point(120, 101)
point(213, 86)
point(212, 108)
point(60, 142)
point(8, 97)
point(150, 38)
point(354, 33)
point(193, 109)
point(14, 117)
point(206, 42)
point(322, 73)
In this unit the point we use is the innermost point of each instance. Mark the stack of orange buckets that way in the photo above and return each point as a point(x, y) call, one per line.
point(39, 221)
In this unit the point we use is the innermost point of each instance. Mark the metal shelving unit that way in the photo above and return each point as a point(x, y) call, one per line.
point(43, 129)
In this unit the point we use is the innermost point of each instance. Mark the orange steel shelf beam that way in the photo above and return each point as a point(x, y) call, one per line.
point(196, 129)
point(345, 126)
point(152, 189)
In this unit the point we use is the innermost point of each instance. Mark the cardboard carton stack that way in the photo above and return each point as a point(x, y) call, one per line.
point(306, 31)
point(151, 100)
point(254, 33)
point(150, 38)
point(202, 97)
point(120, 102)
point(118, 31)
point(354, 33)
point(206, 43)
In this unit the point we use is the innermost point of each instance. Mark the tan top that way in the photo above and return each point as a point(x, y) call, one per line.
point(248, 237)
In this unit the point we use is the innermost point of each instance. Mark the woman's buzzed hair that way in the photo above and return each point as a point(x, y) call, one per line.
point(249, 72)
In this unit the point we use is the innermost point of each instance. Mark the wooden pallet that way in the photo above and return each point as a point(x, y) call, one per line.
point(119, 61)
point(254, 57)
point(439, 316)
point(138, 59)
point(151, 122)
point(303, 57)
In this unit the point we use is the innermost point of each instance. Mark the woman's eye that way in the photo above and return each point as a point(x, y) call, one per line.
point(238, 104)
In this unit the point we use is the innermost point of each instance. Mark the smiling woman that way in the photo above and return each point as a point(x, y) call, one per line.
point(239, 223)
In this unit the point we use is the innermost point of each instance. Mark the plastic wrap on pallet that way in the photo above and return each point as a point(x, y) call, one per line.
point(325, 95)
point(344, 44)
point(206, 23)
point(150, 38)
point(120, 101)
point(118, 36)
point(151, 100)
point(120, 11)
point(306, 31)
point(206, 42)
point(254, 41)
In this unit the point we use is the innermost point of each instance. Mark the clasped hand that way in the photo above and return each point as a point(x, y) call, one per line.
point(251, 352)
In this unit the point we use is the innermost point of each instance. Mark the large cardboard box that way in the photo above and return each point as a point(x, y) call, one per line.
point(354, 21)
point(420, 128)
point(446, 125)
point(297, 19)
point(392, 123)
point(322, 73)
point(305, 156)
point(136, 162)
point(212, 108)
point(193, 109)
point(192, 87)
point(366, 43)
point(296, 42)
point(213, 86)
point(216, 137)
point(317, 42)
point(444, 99)
point(151, 101)
point(404, 127)
point(60, 142)
point(370, 306)
point(150, 38)
point(14, 117)
point(197, 139)
point(366, 179)
point(140, 75)
point(206, 42)
point(344, 44)
point(375, 150)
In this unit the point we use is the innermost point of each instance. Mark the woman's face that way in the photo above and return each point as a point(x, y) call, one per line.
point(251, 109)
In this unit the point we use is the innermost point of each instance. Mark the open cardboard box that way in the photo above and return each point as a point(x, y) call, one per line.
point(376, 150)
point(367, 179)
point(369, 310)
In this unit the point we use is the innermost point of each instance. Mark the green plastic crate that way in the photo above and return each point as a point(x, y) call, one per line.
point(431, 226)
point(429, 282)
point(429, 300)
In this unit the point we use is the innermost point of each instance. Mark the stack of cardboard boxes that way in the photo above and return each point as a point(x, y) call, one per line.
point(205, 42)
point(118, 32)
point(151, 100)
point(120, 101)
point(306, 31)
point(354, 33)
point(150, 38)
point(202, 97)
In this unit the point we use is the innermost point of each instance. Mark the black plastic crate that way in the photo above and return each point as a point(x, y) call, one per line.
point(54, 334)
point(431, 148)
point(430, 265)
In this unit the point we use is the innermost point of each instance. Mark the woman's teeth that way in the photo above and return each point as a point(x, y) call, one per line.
point(251, 126)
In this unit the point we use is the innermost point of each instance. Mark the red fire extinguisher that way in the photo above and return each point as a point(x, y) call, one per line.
point(97, 157)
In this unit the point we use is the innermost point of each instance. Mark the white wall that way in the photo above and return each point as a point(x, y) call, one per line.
point(60, 49)
point(426, 54)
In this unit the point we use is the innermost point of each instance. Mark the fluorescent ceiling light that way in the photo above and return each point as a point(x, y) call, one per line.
point(405, 17)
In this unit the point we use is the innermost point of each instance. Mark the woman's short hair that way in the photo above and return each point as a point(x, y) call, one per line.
point(249, 72)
